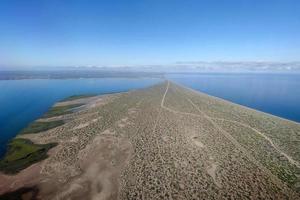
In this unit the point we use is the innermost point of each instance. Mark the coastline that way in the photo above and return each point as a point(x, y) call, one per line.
point(110, 131)
point(27, 100)
point(49, 120)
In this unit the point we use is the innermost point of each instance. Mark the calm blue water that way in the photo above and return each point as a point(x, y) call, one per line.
point(22, 101)
point(277, 94)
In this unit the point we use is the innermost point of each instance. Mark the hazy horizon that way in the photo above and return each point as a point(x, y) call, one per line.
point(195, 66)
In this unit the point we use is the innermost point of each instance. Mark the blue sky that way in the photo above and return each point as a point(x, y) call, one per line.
point(65, 32)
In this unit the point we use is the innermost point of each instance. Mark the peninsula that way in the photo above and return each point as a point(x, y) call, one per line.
point(162, 142)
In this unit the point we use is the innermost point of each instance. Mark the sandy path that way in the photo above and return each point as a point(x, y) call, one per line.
point(275, 179)
point(157, 119)
point(163, 99)
point(291, 160)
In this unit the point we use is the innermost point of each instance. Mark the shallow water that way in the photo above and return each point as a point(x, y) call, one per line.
point(22, 101)
point(277, 94)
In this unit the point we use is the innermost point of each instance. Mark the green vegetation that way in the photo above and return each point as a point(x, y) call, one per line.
point(60, 110)
point(75, 97)
point(22, 153)
point(37, 127)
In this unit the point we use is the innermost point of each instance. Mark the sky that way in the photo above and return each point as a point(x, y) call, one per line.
point(133, 32)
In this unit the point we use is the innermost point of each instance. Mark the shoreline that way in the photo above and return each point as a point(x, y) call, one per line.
point(102, 143)
point(38, 125)
point(118, 92)
point(12, 133)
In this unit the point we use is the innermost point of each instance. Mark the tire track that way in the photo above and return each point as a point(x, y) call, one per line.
point(274, 178)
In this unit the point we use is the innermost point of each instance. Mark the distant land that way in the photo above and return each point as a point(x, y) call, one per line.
point(73, 74)
point(134, 71)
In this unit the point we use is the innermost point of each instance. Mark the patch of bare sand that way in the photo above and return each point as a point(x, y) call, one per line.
point(101, 100)
point(212, 166)
point(212, 171)
point(193, 136)
point(165, 138)
point(197, 142)
point(81, 126)
point(96, 103)
point(78, 101)
point(108, 132)
point(132, 111)
point(101, 163)
point(123, 122)
point(26, 178)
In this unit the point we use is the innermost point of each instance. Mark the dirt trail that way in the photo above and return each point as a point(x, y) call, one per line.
point(227, 135)
point(157, 119)
point(291, 160)
point(163, 99)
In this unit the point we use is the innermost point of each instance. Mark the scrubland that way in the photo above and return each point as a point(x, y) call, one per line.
point(162, 142)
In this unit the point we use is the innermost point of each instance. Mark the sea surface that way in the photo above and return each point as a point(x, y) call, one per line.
point(23, 101)
point(277, 94)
